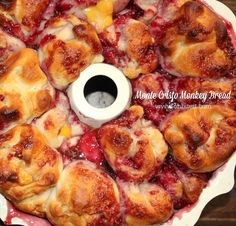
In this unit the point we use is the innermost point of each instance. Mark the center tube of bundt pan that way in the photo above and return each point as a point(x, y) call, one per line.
point(100, 94)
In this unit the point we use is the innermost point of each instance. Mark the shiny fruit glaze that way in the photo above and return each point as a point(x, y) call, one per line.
point(89, 147)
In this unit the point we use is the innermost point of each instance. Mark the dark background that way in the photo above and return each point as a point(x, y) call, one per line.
point(221, 211)
point(230, 3)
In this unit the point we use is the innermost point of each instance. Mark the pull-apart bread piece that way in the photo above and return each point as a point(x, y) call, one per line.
point(133, 147)
point(202, 138)
point(29, 168)
point(68, 45)
point(145, 204)
point(53, 123)
point(184, 186)
point(129, 45)
point(25, 92)
point(197, 44)
point(62, 128)
point(84, 195)
point(22, 18)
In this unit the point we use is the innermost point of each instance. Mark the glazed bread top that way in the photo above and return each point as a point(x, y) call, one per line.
point(67, 46)
point(26, 14)
point(129, 45)
point(84, 195)
point(202, 138)
point(24, 89)
point(134, 148)
point(29, 168)
point(145, 204)
point(197, 44)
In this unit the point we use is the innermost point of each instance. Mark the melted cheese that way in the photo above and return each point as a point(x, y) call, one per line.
point(66, 131)
point(100, 15)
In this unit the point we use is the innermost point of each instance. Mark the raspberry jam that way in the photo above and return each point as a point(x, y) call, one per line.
point(89, 146)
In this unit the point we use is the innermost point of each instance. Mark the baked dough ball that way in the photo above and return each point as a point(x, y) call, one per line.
point(84, 196)
point(68, 45)
point(157, 14)
point(128, 45)
point(22, 18)
point(9, 44)
point(132, 146)
point(60, 125)
point(24, 89)
point(62, 129)
point(145, 204)
point(53, 122)
point(202, 138)
point(29, 168)
point(197, 44)
point(183, 186)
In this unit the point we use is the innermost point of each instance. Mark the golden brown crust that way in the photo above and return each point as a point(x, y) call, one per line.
point(132, 146)
point(66, 61)
point(68, 45)
point(24, 89)
point(84, 195)
point(183, 186)
point(28, 168)
point(87, 33)
point(192, 186)
point(61, 127)
point(145, 204)
point(140, 47)
point(29, 12)
point(129, 45)
point(202, 138)
point(197, 44)
point(26, 13)
point(53, 121)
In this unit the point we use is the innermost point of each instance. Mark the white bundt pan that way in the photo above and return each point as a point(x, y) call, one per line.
point(222, 181)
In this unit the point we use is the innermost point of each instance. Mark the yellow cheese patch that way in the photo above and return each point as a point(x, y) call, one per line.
point(66, 131)
point(100, 16)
